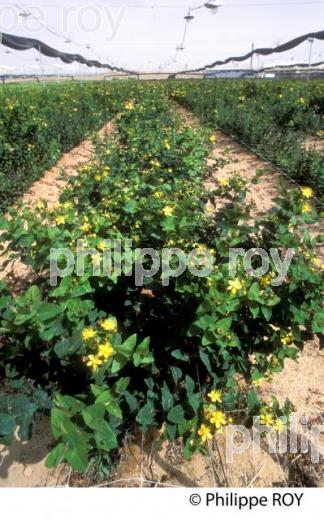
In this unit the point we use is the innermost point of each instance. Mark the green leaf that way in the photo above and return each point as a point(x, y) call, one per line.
point(106, 439)
point(110, 404)
point(171, 431)
point(176, 374)
point(56, 456)
point(142, 355)
point(167, 397)
point(181, 356)
point(253, 402)
point(118, 364)
point(7, 424)
point(189, 448)
point(94, 418)
point(176, 415)
point(93, 415)
point(48, 311)
point(126, 349)
point(131, 207)
point(121, 385)
point(318, 322)
point(61, 423)
point(224, 325)
point(273, 300)
point(267, 312)
point(131, 401)
point(33, 295)
point(254, 293)
point(255, 309)
point(146, 415)
point(205, 359)
point(78, 458)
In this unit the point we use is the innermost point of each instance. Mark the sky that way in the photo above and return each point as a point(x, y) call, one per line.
point(144, 34)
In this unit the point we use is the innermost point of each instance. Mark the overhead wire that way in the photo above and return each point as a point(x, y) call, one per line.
point(183, 6)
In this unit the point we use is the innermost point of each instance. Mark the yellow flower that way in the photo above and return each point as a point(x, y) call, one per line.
point(105, 350)
point(85, 227)
point(109, 325)
point(40, 204)
point(258, 383)
point(266, 419)
point(94, 362)
point(129, 105)
point(97, 178)
point(155, 163)
point(218, 419)
point(88, 334)
point(170, 170)
point(223, 181)
point(167, 145)
point(235, 286)
point(168, 211)
point(301, 101)
point(212, 138)
point(215, 396)
point(279, 426)
point(316, 262)
point(266, 280)
point(101, 245)
point(287, 338)
point(204, 433)
point(306, 208)
point(307, 192)
point(60, 220)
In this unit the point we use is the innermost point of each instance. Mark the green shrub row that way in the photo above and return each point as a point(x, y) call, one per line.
point(39, 123)
point(274, 118)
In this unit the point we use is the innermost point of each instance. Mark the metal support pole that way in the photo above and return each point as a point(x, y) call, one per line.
point(311, 41)
point(251, 64)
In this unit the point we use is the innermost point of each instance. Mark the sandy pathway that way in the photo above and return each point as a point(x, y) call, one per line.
point(48, 188)
point(54, 180)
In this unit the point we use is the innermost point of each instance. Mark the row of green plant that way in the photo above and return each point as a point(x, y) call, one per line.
point(39, 123)
point(274, 118)
point(107, 356)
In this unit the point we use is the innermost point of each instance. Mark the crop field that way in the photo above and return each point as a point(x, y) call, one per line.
point(155, 295)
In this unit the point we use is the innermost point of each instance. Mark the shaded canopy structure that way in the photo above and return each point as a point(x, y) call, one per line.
point(263, 51)
point(20, 43)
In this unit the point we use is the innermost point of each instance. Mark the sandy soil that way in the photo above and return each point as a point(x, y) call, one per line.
point(247, 165)
point(54, 180)
point(23, 464)
point(315, 143)
point(48, 188)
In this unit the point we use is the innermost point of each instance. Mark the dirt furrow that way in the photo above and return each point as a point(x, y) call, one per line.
point(48, 188)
